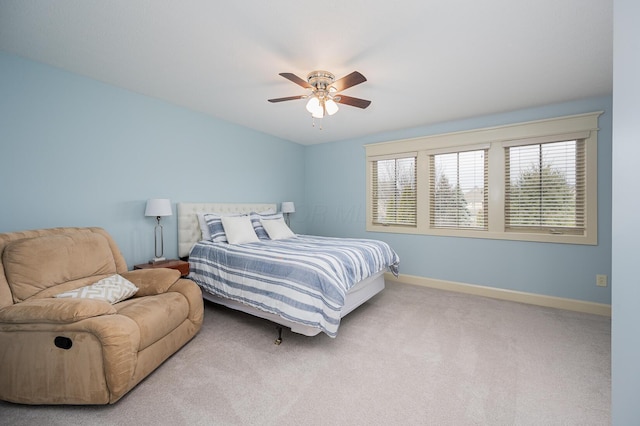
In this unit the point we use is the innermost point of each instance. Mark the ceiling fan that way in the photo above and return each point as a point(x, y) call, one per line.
point(325, 90)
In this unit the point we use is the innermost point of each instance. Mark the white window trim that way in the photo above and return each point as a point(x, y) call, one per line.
point(582, 125)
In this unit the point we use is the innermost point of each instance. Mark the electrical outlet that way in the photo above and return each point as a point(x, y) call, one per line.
point(601, 280)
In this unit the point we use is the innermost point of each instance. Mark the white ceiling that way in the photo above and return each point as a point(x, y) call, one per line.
point(426, 61)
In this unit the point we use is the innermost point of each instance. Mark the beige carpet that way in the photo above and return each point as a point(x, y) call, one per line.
point(410, 356)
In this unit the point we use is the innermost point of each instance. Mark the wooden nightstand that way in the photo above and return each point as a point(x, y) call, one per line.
point(180, 265)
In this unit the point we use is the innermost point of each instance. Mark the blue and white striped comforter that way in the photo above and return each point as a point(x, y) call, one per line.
point(303, 279)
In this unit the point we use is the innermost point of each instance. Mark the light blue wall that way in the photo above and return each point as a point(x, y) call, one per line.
point(76, 152)
point(625, 337)
point(335, 205)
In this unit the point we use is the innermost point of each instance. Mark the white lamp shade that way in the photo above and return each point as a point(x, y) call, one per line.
point(158, 207)
point(331, 106)
point(314, 106)
point(288, 207)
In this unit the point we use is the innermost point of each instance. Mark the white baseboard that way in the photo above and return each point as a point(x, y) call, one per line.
point(511, 295)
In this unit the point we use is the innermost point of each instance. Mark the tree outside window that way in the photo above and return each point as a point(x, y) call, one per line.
point(544, 184)
point(458, 196)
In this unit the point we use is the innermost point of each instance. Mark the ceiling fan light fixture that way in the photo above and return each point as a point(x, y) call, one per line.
point(331, 106)
point(314, 106)
point(319, 113)
point(325, 92)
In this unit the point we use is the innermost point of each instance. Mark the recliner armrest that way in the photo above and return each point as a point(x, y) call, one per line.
point(152, 281)
point(54, 311)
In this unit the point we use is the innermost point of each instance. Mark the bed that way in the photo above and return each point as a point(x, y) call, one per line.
point(252, 284)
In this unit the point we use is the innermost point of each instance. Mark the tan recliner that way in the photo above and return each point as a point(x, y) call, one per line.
point(84, 351)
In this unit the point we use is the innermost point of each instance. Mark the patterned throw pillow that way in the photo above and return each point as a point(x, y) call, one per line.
point(257, 224)
point(112, 289)
point(216, 230)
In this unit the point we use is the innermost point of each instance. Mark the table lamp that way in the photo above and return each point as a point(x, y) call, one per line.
point(158, 207)
point(287, 208)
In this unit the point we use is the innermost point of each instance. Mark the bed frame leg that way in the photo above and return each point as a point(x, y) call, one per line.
point(279, 339)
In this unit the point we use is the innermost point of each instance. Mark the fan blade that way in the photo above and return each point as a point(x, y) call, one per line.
point(356, 102)
point(297, 80)
point(349, 81)
point(290, 98)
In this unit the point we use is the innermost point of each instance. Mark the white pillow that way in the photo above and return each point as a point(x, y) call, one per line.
point(112, 289)
point(204, 228)
point(239, 229)
point(277, 229)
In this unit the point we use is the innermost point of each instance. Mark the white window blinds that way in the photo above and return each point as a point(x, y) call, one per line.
point(394, 191)
point(459, 190)
point(545, 187)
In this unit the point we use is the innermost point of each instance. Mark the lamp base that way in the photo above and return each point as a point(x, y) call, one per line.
point(157, 259)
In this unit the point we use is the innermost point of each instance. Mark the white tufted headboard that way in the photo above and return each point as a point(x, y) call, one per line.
point(189, 228)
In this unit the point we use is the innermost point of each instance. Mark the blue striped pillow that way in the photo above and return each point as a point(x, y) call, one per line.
point(214, 222)
point(257, 226)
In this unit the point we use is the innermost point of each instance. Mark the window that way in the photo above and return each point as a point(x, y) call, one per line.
point(394, 191)
point(544, 187)
point(458, 190)
point(531, 181)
